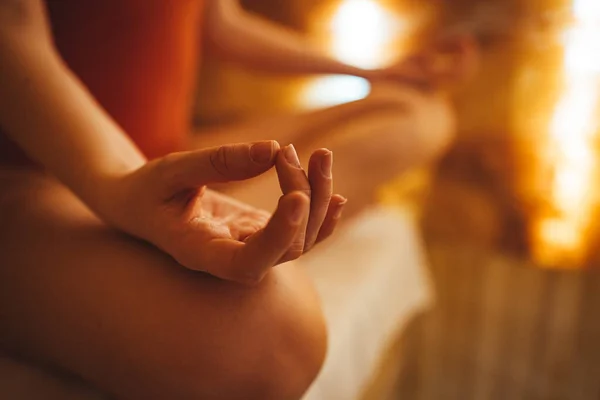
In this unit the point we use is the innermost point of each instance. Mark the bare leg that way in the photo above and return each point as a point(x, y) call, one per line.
point(373, 140)
point(79, 297)
point(22, 381)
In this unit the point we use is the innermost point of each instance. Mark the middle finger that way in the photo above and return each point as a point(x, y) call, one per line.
point(293, 178)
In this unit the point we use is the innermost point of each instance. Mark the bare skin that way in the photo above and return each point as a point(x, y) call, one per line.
point(396, 119)
point(79, 296)
point(138, 257)
point(204, 333)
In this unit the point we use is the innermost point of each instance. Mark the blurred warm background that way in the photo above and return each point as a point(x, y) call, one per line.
point(507, 216)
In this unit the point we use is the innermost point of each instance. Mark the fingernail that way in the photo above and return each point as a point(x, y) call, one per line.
point(340, 209)
point(298, 212)
point(326, 164)
point(291, 156)
point(262, 152)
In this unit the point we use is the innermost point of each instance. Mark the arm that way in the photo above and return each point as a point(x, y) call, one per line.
point(49, 113)
point(241, 37)
point(246, 39)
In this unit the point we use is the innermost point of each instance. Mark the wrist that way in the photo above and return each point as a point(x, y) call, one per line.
point(106, 195)
point(101, 183)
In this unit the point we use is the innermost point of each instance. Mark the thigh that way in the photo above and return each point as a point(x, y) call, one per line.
point(21, 381)
point(79, 296)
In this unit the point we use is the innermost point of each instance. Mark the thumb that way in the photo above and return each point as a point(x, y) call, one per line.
point(220, 164)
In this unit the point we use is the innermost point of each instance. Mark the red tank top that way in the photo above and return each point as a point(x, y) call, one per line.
point(139, 59)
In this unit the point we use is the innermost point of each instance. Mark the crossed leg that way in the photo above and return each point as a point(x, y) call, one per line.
point(81, 298)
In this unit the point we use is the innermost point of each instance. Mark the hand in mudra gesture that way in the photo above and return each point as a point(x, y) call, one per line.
point(166, 202)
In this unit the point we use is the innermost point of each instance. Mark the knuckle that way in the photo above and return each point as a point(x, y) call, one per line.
point(250, 280)
point(306, 192)
point(310, 243)
point(323, 200)
point(295, 252)
point(219, 159)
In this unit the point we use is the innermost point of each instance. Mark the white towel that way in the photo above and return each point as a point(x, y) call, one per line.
point(372, 280)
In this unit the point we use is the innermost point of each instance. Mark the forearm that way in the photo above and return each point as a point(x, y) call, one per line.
point(249, 40)
point(52, 117)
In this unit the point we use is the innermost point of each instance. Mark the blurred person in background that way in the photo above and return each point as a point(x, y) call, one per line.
point(98, 306)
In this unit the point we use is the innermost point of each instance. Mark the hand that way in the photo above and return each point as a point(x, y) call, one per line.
point(166, 202)
point(416, 71)
point(448, 61)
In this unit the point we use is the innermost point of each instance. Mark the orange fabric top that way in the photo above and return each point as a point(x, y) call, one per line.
point(139, 58)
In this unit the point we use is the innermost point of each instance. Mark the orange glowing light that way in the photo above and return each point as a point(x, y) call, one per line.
point(359, 33)
point(574, 129)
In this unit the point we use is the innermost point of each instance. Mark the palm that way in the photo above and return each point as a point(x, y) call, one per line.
point(223, 217)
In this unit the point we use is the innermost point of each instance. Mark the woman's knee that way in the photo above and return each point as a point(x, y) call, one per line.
point(271, 346)
point(297, 351)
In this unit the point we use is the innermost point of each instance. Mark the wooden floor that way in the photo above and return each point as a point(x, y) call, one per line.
point(502, 330)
